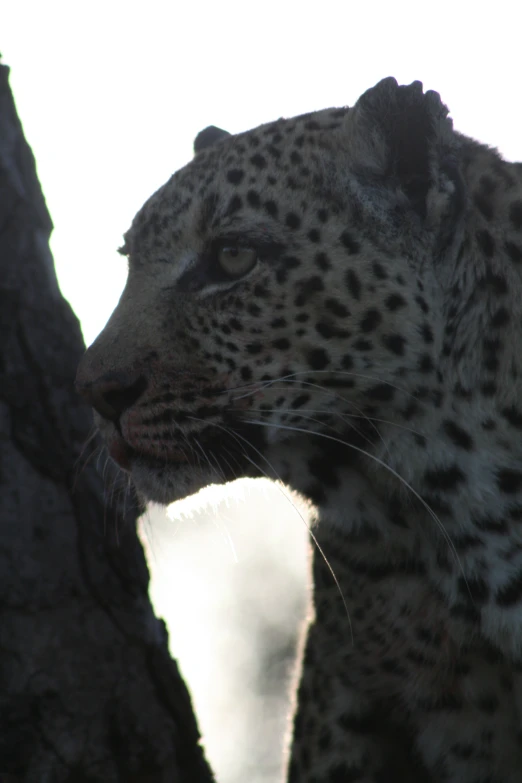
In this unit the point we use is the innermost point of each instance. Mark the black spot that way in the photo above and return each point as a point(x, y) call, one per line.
point(437, 397)
point(466, 611)
point(235, 176)
point(253, 198)
point(292, 220)
point(363, 345)
point(335, 307)
point(325, 739)
point(327, 330)
point(234, 205)
point(392, 666)
point(444, 479)
point(339, 383)
point(295, 157)
point(491, 363)
point(426, 333)
point(394, 343)
point(394, 302)
point(351, 244)
point(254, 348)
point(321, 470)
point(474, 587)
point(513, 416)
point(488, 703)
point(514, 252)
point(261, 291)
point(487, 184)
point(511, 592)
point(370, 320)
point(379, 271)
point(314, 235)
point(457, 435)
point(484, 204)
point(258, 161)
point(500, 318)
point(422, 304)
point(278, 323)
point(318, 359)
point(299, 401)
point(307, 288)
point(282, 344)
point(360, 724)
point(347, 362)
point(495, 282)
point(488, 389)
point(271, 207)
point(508, 480)
point(353, 283)
point(340, 773)
point(382, 392)
point(515, 215)
point(425, 365)
point(463, 750)
point(322, 261)
point(291, 262)
point(486, 243)
point(322, 215)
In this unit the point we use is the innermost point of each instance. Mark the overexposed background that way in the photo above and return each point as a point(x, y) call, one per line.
point(111, 94)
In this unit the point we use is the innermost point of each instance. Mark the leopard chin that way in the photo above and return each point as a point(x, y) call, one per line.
point(170, 482)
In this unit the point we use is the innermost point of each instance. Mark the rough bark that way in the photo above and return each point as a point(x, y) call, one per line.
point(88, 691)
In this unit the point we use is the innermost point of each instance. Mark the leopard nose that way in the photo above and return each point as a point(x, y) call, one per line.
point(111, 394)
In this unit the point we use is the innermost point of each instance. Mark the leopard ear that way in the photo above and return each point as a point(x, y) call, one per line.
point(208, 137)
point(404, 135)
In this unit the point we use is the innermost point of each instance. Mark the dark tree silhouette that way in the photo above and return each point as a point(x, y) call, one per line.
point(88, 691)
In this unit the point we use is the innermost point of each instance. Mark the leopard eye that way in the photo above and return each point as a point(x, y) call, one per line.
point(235, 260)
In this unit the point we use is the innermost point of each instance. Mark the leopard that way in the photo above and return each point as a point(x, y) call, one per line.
point(334, 301)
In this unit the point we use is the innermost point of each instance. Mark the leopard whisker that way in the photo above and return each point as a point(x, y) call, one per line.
point(343, 416)
point(90, 438)
point(336, 395)
point(319, 421)
point(383, 464)
point(290, 377)
point(206, 456)
point(280, 486)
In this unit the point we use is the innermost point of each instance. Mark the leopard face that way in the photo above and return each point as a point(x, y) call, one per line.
point(280, 285)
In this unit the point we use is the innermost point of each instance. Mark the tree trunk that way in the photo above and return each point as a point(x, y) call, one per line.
point(88, 691)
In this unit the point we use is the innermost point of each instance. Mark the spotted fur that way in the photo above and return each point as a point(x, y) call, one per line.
point(371, 359)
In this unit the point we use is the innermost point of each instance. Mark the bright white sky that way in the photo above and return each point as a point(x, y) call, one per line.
point(112, 93)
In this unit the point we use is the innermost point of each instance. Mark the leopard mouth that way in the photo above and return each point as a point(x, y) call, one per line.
point(126, 455)
point(228, 450)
